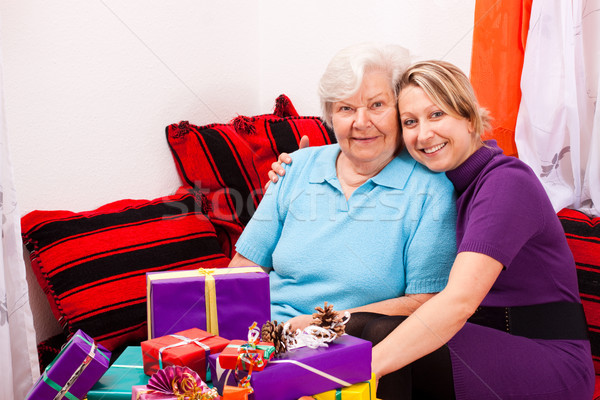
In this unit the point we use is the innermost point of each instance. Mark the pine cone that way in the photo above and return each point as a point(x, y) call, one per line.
point(325, 317)
point(273, 333)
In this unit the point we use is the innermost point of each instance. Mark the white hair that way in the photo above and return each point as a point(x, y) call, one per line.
point(344, 74)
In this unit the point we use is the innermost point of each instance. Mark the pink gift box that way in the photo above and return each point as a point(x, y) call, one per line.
point(141, 392)
point(174, 382)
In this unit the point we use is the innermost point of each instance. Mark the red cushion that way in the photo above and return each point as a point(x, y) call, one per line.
point(583, 236)
point(270, 137)
point(284, 107)
point(92, 265)
point(228, 163)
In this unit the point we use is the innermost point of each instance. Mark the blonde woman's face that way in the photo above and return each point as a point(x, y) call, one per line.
point(366, 124)
point(435, 139)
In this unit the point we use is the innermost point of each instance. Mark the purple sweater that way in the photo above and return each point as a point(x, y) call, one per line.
point(504, 212)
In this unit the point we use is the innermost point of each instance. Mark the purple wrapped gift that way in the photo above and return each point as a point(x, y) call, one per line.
point(304, 371)
point(223, 301)
point(78, 366)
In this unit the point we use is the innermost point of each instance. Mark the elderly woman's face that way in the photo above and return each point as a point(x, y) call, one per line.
point(366, 124)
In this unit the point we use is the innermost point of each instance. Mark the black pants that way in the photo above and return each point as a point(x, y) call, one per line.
point(427, 378)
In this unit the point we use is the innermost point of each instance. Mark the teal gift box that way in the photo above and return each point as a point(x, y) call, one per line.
point(127, 371)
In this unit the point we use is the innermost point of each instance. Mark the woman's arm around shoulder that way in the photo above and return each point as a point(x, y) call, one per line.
point(277, 169)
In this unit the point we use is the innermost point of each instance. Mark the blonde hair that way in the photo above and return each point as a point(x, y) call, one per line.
point(344, 73)
point(448, 87)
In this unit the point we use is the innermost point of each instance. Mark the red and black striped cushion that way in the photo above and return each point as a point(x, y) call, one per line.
point(92, 264)
point(583, 236)
point(228, 163)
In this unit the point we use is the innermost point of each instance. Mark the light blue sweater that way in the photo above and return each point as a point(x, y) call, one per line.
point(395, 235)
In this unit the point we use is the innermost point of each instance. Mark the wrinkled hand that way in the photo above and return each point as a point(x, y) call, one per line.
point(284, 158)
point(300, 322)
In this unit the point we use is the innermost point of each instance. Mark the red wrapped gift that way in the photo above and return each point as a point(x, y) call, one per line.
point(189, 348)
point(235, 393)
point(240, 354)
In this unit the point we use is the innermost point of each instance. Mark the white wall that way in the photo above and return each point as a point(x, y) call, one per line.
point(298, 39)
point(90, 85)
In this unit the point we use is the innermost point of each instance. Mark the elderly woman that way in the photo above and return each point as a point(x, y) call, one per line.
point(358, 224)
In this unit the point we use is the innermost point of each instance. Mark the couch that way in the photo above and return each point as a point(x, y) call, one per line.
point(583, 236)
point(91, 265)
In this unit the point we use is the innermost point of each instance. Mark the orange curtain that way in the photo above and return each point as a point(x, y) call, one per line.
point(499, 37)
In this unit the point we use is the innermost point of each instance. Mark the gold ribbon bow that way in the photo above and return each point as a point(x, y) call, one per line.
point(186, 389)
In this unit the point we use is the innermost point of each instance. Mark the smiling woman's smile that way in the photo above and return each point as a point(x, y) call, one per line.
point(433, 149)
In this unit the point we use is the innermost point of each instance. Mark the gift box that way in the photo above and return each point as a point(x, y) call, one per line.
point(358, 391)
point(235, 393)
point(125, 372)
point(224, 301)
point(230, 355)
point(189, 348)
point(303, 371)
point(141, 392)
point(174, 383)
point(74, 371)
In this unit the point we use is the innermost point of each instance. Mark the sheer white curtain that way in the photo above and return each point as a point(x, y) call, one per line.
point(558, 125)
point(18, 354)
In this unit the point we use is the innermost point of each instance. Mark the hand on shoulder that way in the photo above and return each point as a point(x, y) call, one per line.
point(284, 158)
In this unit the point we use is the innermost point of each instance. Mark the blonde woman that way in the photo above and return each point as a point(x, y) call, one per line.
point(510, 317)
